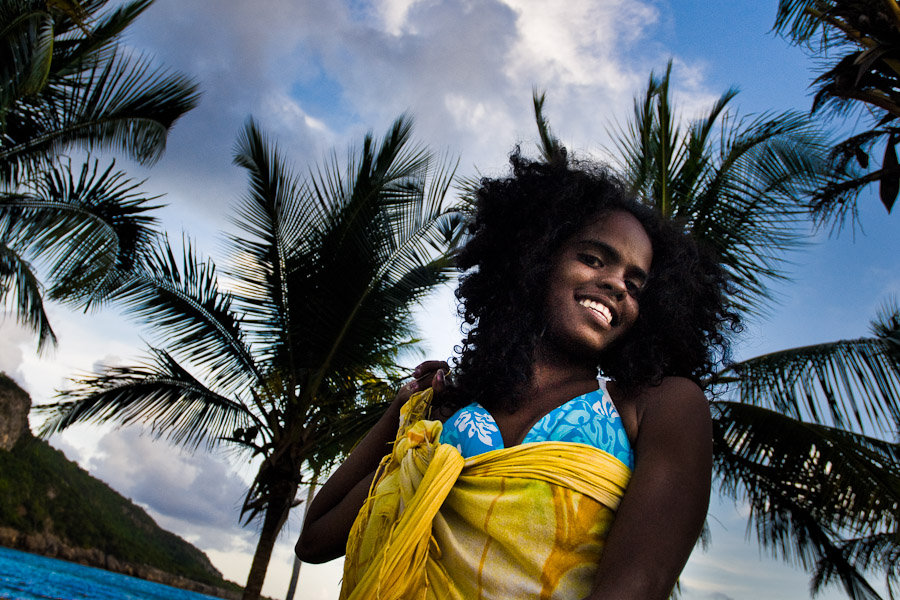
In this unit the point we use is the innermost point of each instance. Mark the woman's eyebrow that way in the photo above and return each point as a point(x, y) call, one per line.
point(614, 255)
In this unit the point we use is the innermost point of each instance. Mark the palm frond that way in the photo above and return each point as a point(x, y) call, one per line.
point(855, 42)
point(384, 221)
point(650, 148)
point(750, 206)
point(798, 20)
point(86, 38)
point(850, 383)
point(880, 551)
point(20, 286)
point(179, 298)
point(552, 151)
point(886, 326)
point(88, 230)
point(738, 186)
point(160, 394)
point(26, 53)
point(123, 104)
point(807, 485)
point(279, 221)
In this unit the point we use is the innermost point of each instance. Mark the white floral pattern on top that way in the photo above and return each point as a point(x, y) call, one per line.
point(590, 419)
point(480, 423)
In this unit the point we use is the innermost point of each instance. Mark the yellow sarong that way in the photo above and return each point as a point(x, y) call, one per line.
point(522, 522)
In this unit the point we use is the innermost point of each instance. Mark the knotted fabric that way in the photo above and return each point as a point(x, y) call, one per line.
point(522, 522)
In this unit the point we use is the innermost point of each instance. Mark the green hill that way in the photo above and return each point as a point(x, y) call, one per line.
point(56, 508)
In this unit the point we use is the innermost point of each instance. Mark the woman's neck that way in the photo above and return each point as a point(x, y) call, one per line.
point(548, 374)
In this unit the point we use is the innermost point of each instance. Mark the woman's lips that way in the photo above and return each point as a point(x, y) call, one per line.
point(599, 310)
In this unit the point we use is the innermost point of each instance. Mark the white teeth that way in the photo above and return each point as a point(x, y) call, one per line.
point(596, 306)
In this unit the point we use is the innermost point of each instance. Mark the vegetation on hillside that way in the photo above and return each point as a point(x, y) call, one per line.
point(43, 492)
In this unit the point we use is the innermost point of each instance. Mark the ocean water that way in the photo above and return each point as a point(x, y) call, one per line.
point(25, 576)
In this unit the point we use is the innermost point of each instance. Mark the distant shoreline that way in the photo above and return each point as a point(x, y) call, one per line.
point(52, 547)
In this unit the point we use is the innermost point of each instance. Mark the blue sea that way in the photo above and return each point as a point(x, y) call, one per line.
point(25, 576)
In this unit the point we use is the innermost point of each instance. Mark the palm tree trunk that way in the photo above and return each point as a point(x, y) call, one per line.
point(295, 571)
point(276, 513)
point(295, 575)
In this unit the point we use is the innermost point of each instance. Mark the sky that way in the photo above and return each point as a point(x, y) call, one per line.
point(318, 75)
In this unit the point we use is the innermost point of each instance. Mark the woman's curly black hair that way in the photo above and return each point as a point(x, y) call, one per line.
point(520, 223)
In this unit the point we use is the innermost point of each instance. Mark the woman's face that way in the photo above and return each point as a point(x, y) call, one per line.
point(595, 284)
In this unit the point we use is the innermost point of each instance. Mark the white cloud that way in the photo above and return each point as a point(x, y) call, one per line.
point(580, 42)
point(322, 73)
point(12, 354)
point(393, 14)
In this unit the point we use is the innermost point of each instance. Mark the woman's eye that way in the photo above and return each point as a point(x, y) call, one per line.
point(590, 260)
point(633, 288)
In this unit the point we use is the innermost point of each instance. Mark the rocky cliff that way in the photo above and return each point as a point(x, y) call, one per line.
point(14, 407)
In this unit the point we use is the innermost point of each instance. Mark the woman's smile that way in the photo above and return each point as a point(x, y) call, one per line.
point(600, 311)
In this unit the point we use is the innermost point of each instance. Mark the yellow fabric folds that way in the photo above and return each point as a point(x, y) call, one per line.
point(523, 522)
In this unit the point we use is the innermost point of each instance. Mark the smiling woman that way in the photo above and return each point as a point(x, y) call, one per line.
point(532, 476)
point(597, 277)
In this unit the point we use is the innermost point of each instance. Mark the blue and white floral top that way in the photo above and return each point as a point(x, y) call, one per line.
point(590, 419)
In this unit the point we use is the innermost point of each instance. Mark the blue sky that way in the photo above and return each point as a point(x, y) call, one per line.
point(317, 75)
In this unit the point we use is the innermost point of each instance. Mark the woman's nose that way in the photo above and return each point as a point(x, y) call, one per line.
point(615, 284)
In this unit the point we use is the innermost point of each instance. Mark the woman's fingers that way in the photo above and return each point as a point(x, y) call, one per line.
point(430, 374)
point(430, 366)
point(439, 383)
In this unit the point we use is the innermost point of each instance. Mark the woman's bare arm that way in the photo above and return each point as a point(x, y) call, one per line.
point(662, 512)
point(330, 515)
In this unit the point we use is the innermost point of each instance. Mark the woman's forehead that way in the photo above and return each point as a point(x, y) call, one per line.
point(621, 230)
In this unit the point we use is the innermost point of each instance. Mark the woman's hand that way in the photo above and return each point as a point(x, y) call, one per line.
point(330, 515)
point(429, 374)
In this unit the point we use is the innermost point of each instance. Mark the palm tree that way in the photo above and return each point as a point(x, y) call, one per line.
point(296, 360)
point(65, 84)
point(856, 43)
point(820, 491)
point(737, 185)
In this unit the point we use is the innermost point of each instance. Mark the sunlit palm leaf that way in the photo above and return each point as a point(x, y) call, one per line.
point(160, 394)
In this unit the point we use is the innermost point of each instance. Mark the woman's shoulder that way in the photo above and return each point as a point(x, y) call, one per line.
point(672, 389)
point(677, 404)
point(676, 400)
